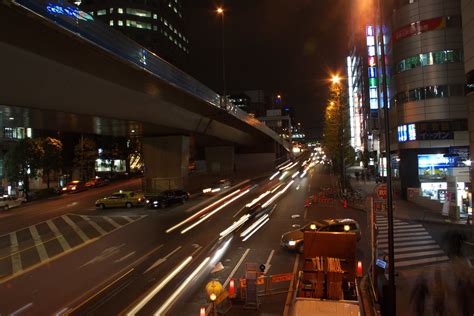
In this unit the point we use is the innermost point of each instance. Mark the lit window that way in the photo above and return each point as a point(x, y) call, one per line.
point(111, 10)
point(155, 28)
point(138, 24)
point(138, 12)
point(120, 10)
point(101, 12)
point(111, 22)
point(175, 11)
point(165, 22)
point(155, 16)
point(120, 22)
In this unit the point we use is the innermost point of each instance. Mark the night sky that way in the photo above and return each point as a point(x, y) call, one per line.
point(285, 46)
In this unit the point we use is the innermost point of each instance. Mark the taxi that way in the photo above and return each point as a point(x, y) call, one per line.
point(126, 199)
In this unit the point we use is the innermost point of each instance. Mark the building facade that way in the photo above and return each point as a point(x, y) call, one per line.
point(158, 25)
point(428, 109)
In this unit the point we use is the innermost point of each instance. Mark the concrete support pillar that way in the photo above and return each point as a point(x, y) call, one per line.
point(220, 160)
point(166, 162)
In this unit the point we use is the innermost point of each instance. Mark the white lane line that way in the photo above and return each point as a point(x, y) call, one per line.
point(290, 292)
point(267, 264)
point(128, 219)
point(402, 244)
point(15, 254)
point(112, 222)
point(419, 254)
point(76, 228)
point(410, 234)
point(420, 261)
point(161, 260)
point(95, 225)
point(231, 275)
point(39, 244)
point(395, 226)
point(125, 257)
point(416, 248)
point(385, 231)
point(414, 238)
point(62, 241)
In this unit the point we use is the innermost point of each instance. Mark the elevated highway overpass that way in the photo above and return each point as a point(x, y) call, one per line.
point(63, 70)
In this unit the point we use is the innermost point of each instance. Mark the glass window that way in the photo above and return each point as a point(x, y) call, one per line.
point(111, 10)
point(139, 24)
point(111, 22)
point(401, 66)
point(138, 12)
point(424, 58)
point(101, 12)
point(155, 16)
point(120, 22)
point(453, 21)
point(120, 10)
point(439, 57)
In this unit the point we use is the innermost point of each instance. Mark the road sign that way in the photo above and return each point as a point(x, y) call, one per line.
point(214, 287)
point(381, 191)
point(281, 277)
point(260, 281)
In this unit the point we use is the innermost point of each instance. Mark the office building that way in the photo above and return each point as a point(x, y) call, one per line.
point(157, 25)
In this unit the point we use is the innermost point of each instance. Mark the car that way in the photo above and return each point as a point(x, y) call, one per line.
point(217, 187)
point(73, 187)
point(126, 199)
point(293, 240)
point(96, 182)
point(7, 202)
point(167, 198)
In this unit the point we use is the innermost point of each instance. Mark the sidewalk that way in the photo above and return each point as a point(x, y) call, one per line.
point(407, 210)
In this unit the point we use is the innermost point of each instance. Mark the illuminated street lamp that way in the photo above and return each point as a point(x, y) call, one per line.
point(213, 298)
point(335, 79)
point(220, 11)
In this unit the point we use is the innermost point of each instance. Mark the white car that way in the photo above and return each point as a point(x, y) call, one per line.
point(7, 202)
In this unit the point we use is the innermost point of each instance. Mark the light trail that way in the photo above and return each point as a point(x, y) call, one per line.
point(283, 175)
point(254, 224)
point(234, 226)
point(172, 299)
point(159, 287)
point(169, 230)
point(295, 174)
point(274, 175)
point(255, 201)
point(256, 229)
point(202, 219)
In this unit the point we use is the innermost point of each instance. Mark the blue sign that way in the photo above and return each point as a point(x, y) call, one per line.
point(436, 161)
point(381, 263)
point(68, 11)
point(372, 72)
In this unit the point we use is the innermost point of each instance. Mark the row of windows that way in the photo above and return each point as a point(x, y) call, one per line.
point(148, 26)
point(430, 92)
point(431, 58)
point(171, 6)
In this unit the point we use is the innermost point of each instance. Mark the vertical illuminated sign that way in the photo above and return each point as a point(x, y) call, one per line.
point(351, 100)
point(372, 70)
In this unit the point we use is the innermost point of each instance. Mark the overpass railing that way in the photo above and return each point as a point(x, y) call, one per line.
point(71, 18)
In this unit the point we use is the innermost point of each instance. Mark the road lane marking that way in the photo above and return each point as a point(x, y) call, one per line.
point(267, 263)
point(417, 248)
point(106, 253)
point(15, 254)
point(76, 228)
point(421, 242)
point(161, 260)
point(236, 267)
point(290, 289)
point(419, 254)
point(125, 257)
point(112, 222)
point(128, 219)
point(39, 244)
point(414, 238)
point(62, 241)
point(421, 261)
point(94, 224)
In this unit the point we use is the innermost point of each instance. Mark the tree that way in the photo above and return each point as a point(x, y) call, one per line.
point(336, 130)
point(51, 159)
point(22, 162)
point(85, 155)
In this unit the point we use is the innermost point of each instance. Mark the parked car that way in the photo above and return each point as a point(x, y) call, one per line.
point(96, 182)
point(126, 199)
point(73, 187)
point(293, 240)
point(216, 187)
point(7, 202)
point(167, 198)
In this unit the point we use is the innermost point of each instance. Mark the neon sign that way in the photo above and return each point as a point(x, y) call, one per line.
point(71, 11)
point(373, 97)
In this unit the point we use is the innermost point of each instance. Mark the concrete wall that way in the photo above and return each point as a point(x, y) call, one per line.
point(220, 159)
point(257, 162)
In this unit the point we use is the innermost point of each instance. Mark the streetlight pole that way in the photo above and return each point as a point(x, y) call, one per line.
point(220, 11)
point(388, 164)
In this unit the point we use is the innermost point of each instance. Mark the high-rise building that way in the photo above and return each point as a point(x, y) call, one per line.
point(428, 110)
point(158, 25)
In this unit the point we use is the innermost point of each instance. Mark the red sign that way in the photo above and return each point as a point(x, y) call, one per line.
point(419, 27)
point(381, 191)
point(372, 61)
point(281, 277)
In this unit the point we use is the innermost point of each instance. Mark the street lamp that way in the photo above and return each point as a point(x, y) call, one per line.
point(220, 11)
point(213, 298)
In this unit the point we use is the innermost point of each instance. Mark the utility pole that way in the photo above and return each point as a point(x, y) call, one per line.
point(391, 266)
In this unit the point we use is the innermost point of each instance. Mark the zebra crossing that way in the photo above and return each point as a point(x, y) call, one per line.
point(39, 243)
point(413, 245)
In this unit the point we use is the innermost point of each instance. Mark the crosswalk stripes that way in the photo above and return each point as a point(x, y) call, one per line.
point(39, 243)
point(413, 245)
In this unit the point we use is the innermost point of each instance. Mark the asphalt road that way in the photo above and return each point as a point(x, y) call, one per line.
point(126, 254)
